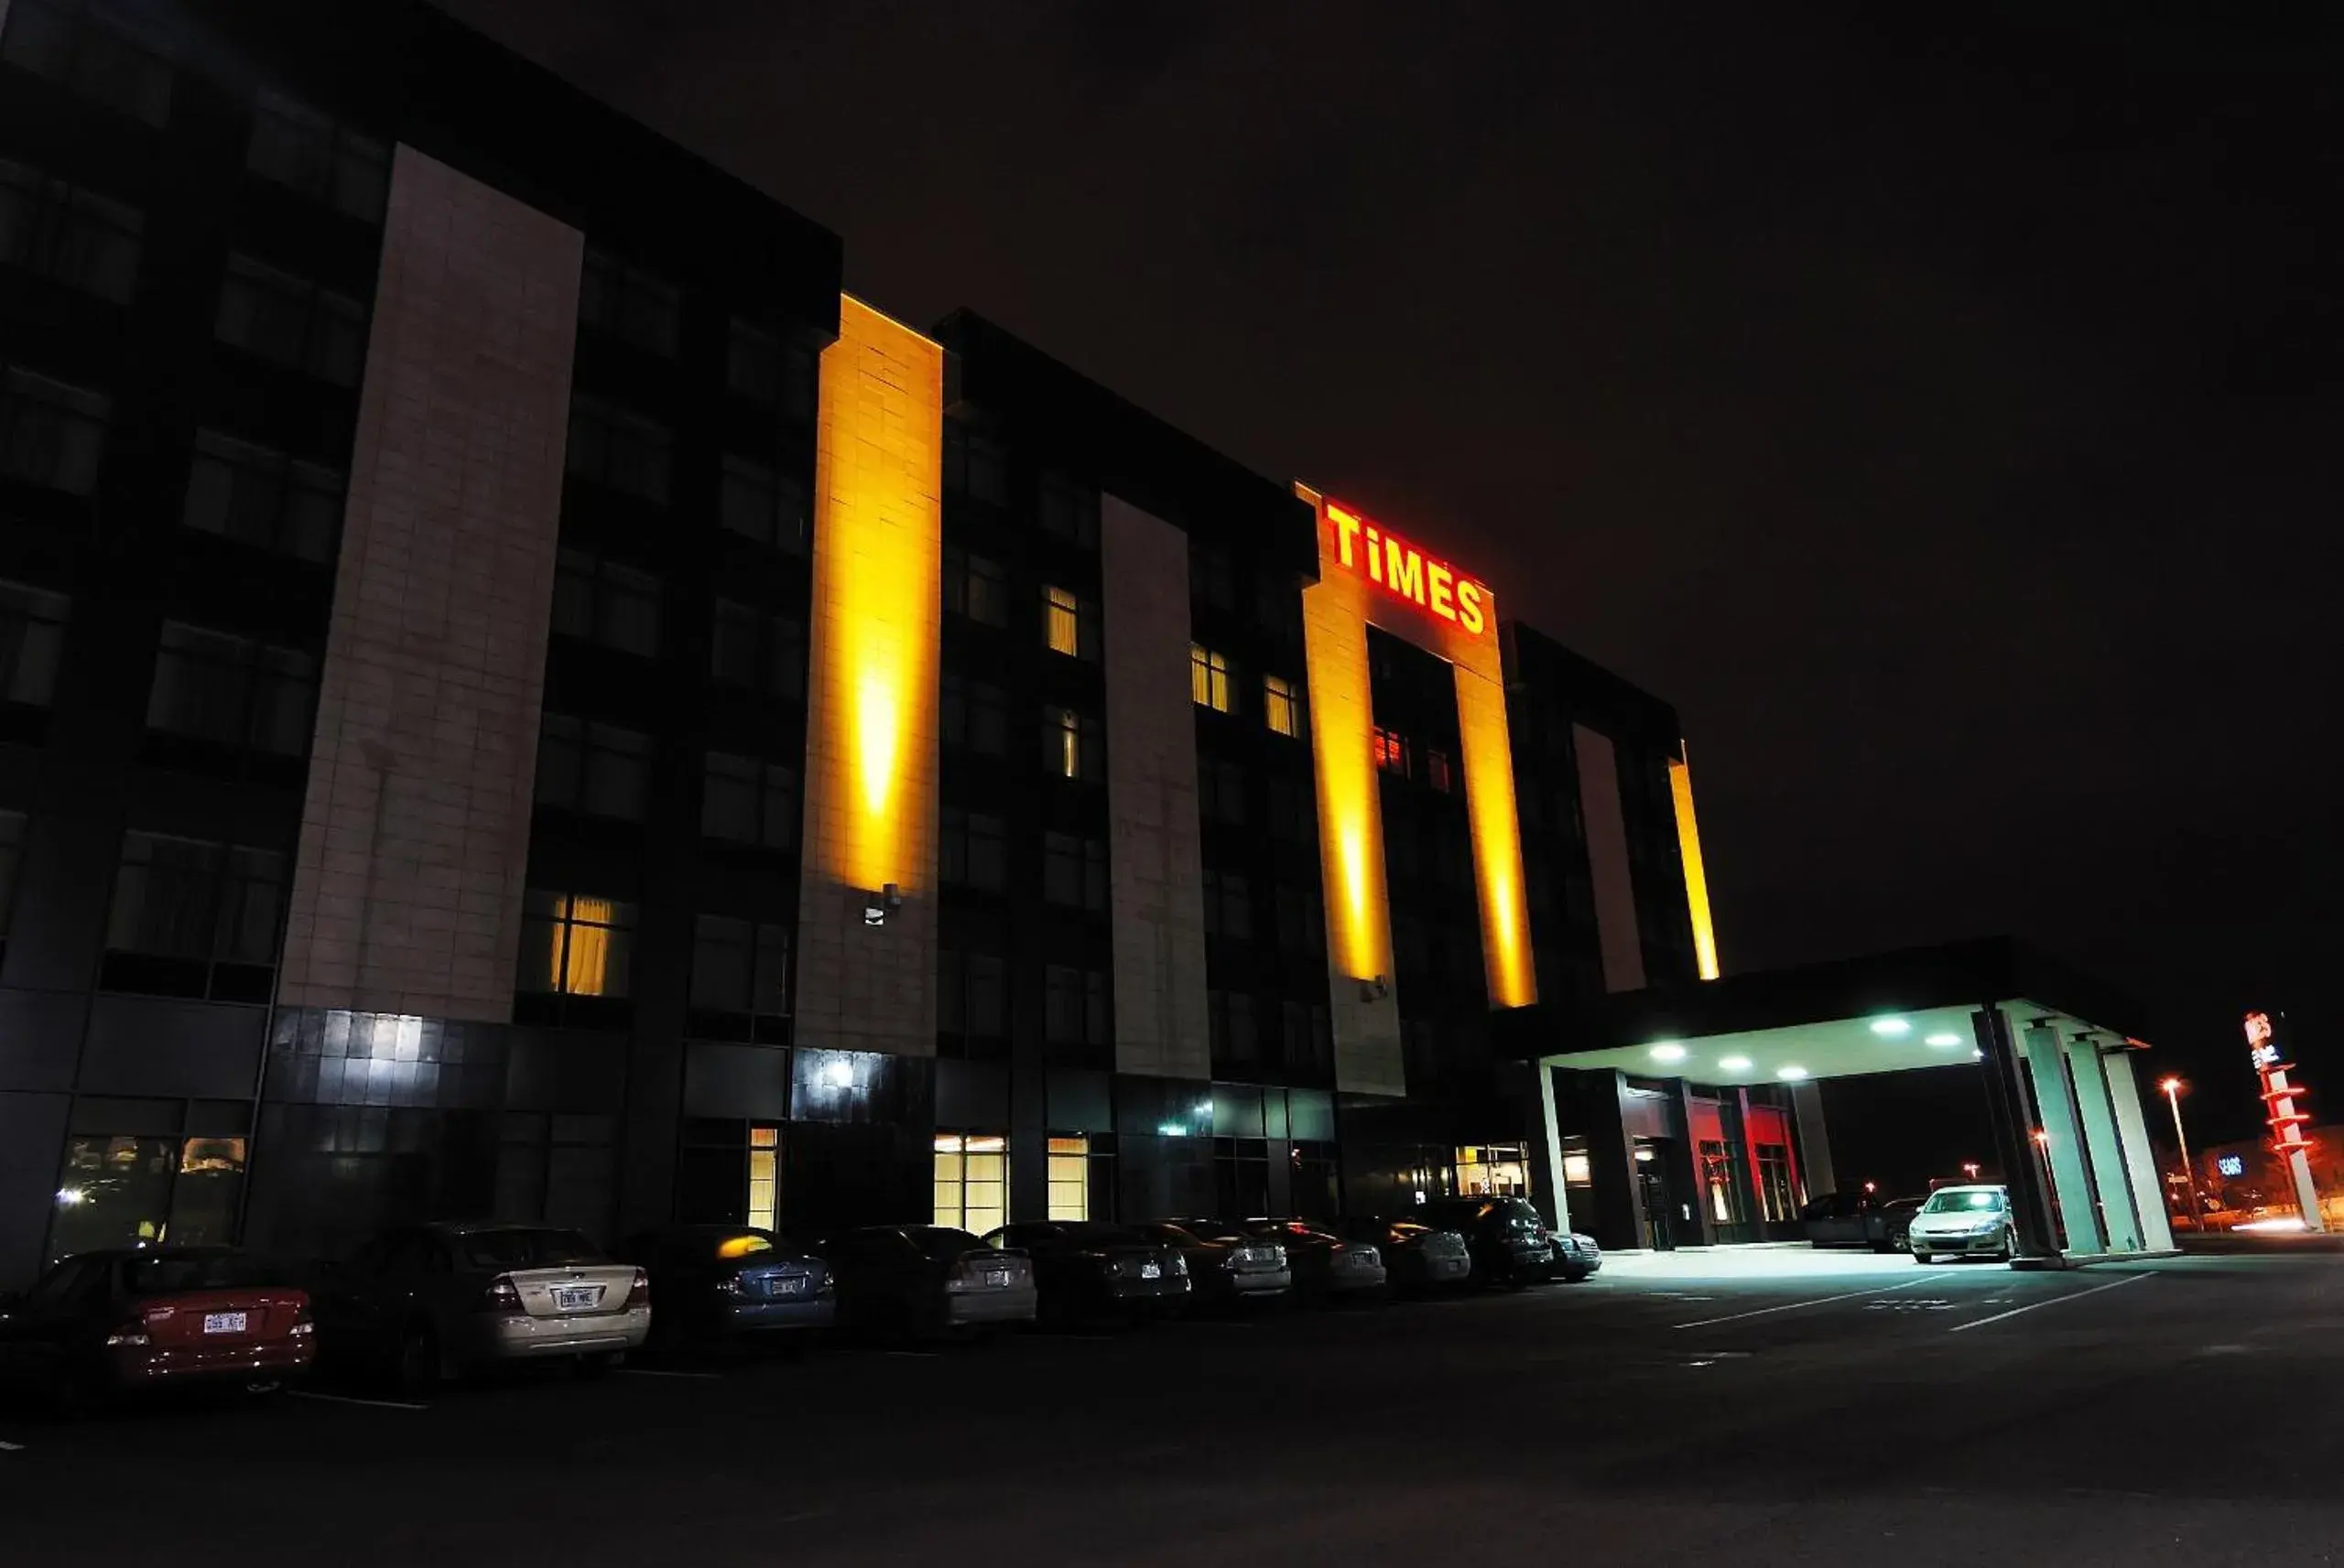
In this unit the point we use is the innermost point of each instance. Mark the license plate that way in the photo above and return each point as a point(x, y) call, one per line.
point(223, 1323)
point(1151, 1270)
point(997, 1277)
point(576, 1298)
point(790, 1285)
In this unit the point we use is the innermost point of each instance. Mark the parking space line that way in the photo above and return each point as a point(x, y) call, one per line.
point(352, 1400)
point(1794, 1306)
point(2055, 1300)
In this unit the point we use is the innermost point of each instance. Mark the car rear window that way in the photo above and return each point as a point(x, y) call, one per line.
point(168, 1275)
point(524, 1248)
point(945, 1244)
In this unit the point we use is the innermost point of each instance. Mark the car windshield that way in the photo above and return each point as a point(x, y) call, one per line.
point(168, 1273)
point(520, 1249)
point(944, 1244)
point(1965, 1200)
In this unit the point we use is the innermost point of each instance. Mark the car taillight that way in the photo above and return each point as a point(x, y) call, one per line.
point(302, 1327)
point(502, 1296)
point(131, 1333)
point(638, 1295)
point(731, 1285)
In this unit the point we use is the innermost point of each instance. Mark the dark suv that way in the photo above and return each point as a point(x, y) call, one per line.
point(1511, 1245)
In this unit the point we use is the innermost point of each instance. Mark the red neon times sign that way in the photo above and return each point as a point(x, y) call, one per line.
point(1406, 572)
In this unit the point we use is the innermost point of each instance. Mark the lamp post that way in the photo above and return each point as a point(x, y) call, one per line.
point(2172, 1088)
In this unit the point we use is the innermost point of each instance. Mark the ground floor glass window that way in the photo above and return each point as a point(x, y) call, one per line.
point(972, 1181)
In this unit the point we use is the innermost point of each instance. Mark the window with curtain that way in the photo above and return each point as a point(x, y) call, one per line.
point(975, 586)
point(291, 321)
point(1069, 623)
point(1281, 708)
point(248, 492)
point(600, 769)
point(576, 945)
point(740, 967)
point(1071, 746)
point(749, 801)
point(1208, 683)
point(211, 913)
point(232, 692)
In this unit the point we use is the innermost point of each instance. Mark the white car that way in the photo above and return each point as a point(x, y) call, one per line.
point(1964, 1222)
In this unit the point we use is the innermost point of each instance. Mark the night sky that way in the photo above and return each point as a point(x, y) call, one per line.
point(1942, 410)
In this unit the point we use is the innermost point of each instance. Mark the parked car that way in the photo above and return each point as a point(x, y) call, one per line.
point(1840, 1219)
point(99, 1323)
point(1886, 1225)
point(433, 1301)
point(1577, 1256)
point(1417, 1257)
point(717, 1285)
point(1964, 1221)
point(1325, 1265)
point(1085, 1269)
point(1228, 1265)
point(1510, 1244)
point(923, 1280)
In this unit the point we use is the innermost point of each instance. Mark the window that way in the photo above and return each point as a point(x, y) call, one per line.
point(212, 911)
point(1229, 905)
point(971, 996)
point(1209, 679)
point(1777, 1194)
point(304, 151)
point(762, 367)
point(1293, 813)
point(12, 846)
point(1074, 871)
point(1281, 710)
point(973, 851)
point(67, 234)
point(1069, 1178)
point(1221, 791)
point(975, 715)
point(975, 464)
point(628, 303)
point(1302, 921)
point(50, 434)
point(122, 1191)
point(765, 1177)
point(1072, 747)
point(972, 1182)
point(1391, 753)
point(32, 630)
point(1231, 1022)
point(1070, 510)
point(760, 503)
point(85, 51)
point(740, 966)
point(596, 768)
point(1438, 772)
point(1210, 577)
point(232, 691)
point(1070, 624)
point(599, 601)
point(975, 586)
point(262, 498)
point(1074, 1006)
point(625, 452)
point(1277, 603)
point(573, 945)
point(763, 653)
point(748, 801)
point(291, 322)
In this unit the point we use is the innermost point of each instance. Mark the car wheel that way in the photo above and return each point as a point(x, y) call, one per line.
point(420, 1366)
point(2010, 1246)
point(1925, 1258)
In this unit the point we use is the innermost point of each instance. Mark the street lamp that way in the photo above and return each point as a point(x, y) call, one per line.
point(2172, 1088)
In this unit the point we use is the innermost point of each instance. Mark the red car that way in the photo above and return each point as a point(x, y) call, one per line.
point(104, 1322)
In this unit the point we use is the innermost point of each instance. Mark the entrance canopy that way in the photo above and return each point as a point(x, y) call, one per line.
point(2055, 1047)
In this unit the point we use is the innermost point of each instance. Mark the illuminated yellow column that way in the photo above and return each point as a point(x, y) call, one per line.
point(1696, 882)
point(866, 964)
point(1364, 1012)
point(1487, 743)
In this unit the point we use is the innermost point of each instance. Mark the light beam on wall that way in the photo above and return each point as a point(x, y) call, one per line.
point(1696, 882)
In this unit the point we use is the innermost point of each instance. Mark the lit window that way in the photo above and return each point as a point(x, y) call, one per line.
point(1280, 712)
point(1062, 622)
point(575, 946)
point(1209, 679)
point(765, 1176)
point(1070, 748)
point(1391, 752)
point(972, 1182)
point(1069, 1178)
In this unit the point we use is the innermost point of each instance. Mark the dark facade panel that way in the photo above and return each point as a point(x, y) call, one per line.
point(40, 1038)
point(736, 1080)
point(32, 1129)
point(156, 1046)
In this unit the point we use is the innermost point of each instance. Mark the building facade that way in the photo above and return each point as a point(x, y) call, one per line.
point(517, 696)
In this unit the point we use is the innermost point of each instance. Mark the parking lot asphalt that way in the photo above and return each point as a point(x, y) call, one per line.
point(1765, 1407)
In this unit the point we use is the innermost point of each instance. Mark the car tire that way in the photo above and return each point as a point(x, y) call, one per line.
point(1924, 1259)
point(420, 1366)
point(2010, 1246)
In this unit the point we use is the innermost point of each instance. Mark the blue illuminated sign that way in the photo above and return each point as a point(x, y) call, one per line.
point(2231, 1164)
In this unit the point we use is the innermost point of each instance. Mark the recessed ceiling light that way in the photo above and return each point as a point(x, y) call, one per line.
point(1891, 1028)
point(1792, 1074)
point(1943, 1039)
point(1669, 1051)
point(1734, 1064)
